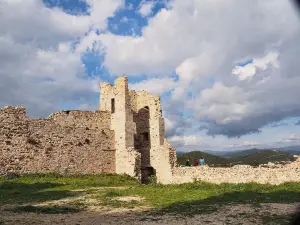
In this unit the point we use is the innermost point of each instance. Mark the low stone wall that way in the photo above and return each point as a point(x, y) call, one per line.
point(272, 174)
point(62, 143)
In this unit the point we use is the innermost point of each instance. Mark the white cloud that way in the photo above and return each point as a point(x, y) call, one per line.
point(124, 19)
point(249, 70)
point(19, 20)
point(155, 85)
point(146, 7)
point(169, 125)
point(42, 79)
point(178, 93)
point(222, 104)
point(102, 9)
point(292, 138)
point(183, 34)
point(89, 42)
point(38, 68)
point(186, 140)
point(204, 52)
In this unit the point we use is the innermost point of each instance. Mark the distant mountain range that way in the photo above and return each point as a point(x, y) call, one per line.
point(295, 150)
point(245, 157)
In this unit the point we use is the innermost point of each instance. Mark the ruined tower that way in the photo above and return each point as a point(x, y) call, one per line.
point(116, 100)
point(136, 119)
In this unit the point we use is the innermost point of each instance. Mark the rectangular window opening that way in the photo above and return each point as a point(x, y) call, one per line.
point(145, 136)
point(112, 105)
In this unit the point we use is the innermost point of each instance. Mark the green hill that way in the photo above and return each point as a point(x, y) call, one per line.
point(263, 157)
point(242, 153)
point(254, 157)
point(209, 158)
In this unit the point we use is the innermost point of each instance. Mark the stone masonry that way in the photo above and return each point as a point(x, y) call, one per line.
point(270, 173)
point(66, 142)
point(125, 136)
point(136, 118)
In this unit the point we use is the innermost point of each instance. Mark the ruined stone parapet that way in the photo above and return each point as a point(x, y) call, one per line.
point(80, 118)
point(238, 174)
point(13, 112)
point(73, 142)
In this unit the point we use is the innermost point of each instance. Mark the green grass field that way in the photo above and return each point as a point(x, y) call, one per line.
point(185, 199)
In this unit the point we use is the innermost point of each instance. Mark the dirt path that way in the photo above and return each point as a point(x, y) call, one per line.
point(233, 214)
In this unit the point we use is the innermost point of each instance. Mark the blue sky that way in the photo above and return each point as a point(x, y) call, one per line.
point(225, 83)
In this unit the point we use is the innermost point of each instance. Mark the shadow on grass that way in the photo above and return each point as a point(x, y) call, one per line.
point(46, 209)
point(21, 193)
point(213, 204)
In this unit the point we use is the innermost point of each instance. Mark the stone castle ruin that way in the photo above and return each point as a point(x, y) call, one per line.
point(126, 136)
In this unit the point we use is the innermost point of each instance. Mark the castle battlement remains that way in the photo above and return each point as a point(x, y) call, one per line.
point(127, 135)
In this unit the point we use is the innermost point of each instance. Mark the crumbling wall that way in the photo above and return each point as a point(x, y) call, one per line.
point(172, 155)
point(85, 119)
point(240, 174)
point(116, 100)
point(159, 151)
point(63, 143)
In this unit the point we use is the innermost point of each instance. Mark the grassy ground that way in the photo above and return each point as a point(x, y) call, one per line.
point(39, 187)
point(29, 193)
point(197, 197)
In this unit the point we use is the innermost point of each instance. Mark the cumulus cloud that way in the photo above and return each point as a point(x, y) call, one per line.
point(100, 10)
point(246, 72)
point(155, 85)
point(183, 33)
point(42, 79)
point(38, 67)
point(236, 111)
point(292, 138)
point(19, 20)
point(203, 41)
point(146, 7)
point(186, 140)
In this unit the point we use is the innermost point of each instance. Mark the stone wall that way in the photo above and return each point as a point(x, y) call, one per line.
point(156, 152)
point(172, 155)
point(273, 174)
point(127, 136)
point(66, 142)
point(116, 99)
point(85, 119)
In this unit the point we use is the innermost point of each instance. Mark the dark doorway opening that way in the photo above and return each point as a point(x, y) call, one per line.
point(142, 142)
point(147, 173)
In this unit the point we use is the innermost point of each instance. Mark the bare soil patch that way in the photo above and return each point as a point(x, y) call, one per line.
point(232, 214)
